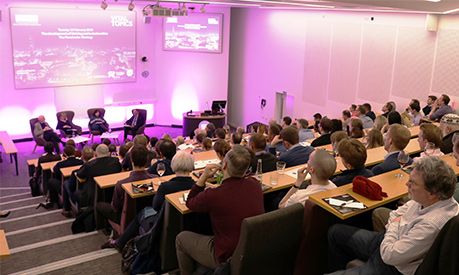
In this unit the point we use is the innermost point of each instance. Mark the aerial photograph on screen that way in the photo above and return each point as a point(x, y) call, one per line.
point(63, 47)
point(195, 32)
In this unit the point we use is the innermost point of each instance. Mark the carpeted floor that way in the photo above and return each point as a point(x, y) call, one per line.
point(41, 241)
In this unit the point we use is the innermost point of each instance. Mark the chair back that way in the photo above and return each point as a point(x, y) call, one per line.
point(269, 242)
point(70, 115)
point(143, 113)
point(93, 110)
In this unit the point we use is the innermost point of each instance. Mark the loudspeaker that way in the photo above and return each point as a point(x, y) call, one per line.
point(147, 19)
point(431, 22)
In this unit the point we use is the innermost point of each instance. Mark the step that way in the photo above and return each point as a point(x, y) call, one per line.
point(34, 218)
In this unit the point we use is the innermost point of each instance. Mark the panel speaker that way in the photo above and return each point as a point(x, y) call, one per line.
point(431, 22)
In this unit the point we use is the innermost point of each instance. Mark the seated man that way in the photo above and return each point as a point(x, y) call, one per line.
point(238, 197)
point(321, 166)
point(411, 230)
point(113, 210)
point(138, 140)
point(317, 117)
point(353, 155)
point(296, 153)
point(286, 121)
point(43, 130)
point(440, 108)
point(449, 125)
point(134, 123)
point(430, 102)
point(368, 112)
point(103, 164)
point(236, 138)
point(49, 156)
point(167, 150)
point(257, 143)
point(429, 133)
point(366, 120)
point(325, 128)
point(304, 132)
point(397, 138)
point(182, 164)
point(220, 133)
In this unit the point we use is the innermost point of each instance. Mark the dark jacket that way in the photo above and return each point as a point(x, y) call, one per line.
point(389, 164)
point(348, 175)
point(322, 140)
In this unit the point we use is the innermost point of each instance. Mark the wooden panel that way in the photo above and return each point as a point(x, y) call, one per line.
point(446, 74)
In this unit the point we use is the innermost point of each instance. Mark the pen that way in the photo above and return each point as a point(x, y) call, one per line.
point(346, 203)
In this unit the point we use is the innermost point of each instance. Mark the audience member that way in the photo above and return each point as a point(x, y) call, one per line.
point(262, 129)
point(71, 142)
point(167, 137)
point(106, 141)
point(221, 148)
point(98, 123)
point(367, 121)
point(456, 155)
point(429, 133)
point(353, 155)
point(397, 139)
point(42, 129)
point(236, 138)
point(321, 166)
point(430, 102)
point(112, 150)
point(123, 151)
point(296, 154)
point(206, 144)
point(113, 210)
point(240, 130)
point(392, 118)
point(226, 219)
point(199, 140)
point(152, 143)
point(138, 140)
point(134, 123)
point(94, 146)
point(180, 140)
point(286, 121)
point(325, 127)
point(337, 125)
point(415, 114)
point(304, 132)
point(375, 139)
point(346, 115)
point(440, 108)
point(220, 134)
point(317, 118)
point(411, 229)
point(274, 140)
point(272, 122)
point(352, 109)
point(368, 112)
point(47, 157)
point(380, 121)
point(210, 129)
point(356, 128)
point(103, 164)
point(337, 137)
point(167, 150)
point(449, 125)
point(388, 107)
point(257, 143)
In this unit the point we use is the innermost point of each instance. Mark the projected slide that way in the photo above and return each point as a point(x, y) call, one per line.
point(62, 47)
point(195, 32)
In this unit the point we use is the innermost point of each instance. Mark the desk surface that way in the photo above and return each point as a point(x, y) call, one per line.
point(110, 180)
point(67, 171)
point(4, 250)
point(7, 143)
point(156, 183)
point(207, 155)
point(394, 187)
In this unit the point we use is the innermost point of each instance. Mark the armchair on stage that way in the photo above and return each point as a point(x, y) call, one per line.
point(39, 141)
point(70, 115)
point(141, 129)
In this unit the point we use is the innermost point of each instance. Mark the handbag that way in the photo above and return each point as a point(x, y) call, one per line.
point(367, 188)
point(128, 254)
point(34, 183)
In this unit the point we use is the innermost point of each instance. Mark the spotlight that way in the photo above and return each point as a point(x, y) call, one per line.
point(203, 10)
point(103, 5)
point(183, 7)
point(131, 6)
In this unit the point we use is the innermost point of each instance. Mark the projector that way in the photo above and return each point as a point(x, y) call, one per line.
point(179, 12)
point(157, 11)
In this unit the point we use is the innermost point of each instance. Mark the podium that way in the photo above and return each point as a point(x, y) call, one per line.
point(192, 120)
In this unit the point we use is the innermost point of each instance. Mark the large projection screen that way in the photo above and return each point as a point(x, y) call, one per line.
point(195, 33)
point(63, 47)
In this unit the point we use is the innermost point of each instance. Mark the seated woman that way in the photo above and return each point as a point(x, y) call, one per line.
point(375, 139)
point(182, 165)
point(356, 128)
point(98, 123)
point(64, 124)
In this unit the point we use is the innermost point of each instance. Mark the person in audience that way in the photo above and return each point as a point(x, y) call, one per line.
point(275, 141)
point(199, 140)
point(272, 122)
point(71, 142)
point(380, 122)
point(138, 140)
point(366, 120)
point(375, 139)
point(429, 133)
point(257, 143)
point(236, 190)
point(103, 164)
point(296, 154)
point(440, 108)
point(346, 115)
point(220, 134)
point(353, 155)
point(180, 140)
point(113, 210)
point(210, 129)
point(356, 128)
point(98, 123)
point(410, 231)
point(182, 164)
point(240, 130)
point(456, 155)
point(152, 144)
point(317, 118)
point(321, 166)
point(236, 138)
point(94, 146)
point(134, 123)
point(55, 184)
point(167, 150)
point(69, 186)
point(64, 124)
point(168, 137)
point(106, 141)
point(449, 125)
point(337, 137)
point(122, 152)
point(430, 102)
point(397, 139)
point(49, 156)
point(206, 144)
point(337, 125)
point(406, 119)
point(221, 147)
point(352, 109)
point(368, 112)
point(392, 118)
point(112, 150)
point(42, 129)
point(262, 129)
point(304, 131)
point(286, 121)
point(325, 127)
point(254, 128)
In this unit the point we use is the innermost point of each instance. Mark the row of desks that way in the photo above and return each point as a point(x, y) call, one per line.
point(9, 148)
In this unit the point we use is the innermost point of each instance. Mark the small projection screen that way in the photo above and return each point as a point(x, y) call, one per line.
point(63, 47)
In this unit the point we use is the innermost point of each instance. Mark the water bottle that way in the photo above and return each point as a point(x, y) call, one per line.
point(259, 173)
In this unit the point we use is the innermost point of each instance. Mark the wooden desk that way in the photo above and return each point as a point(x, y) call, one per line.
point(156, 183)
point(4, 250)
point(110, 180)
point(192, 121)
point(9, 148)
point(67, 171)
point(394, 187)
point(207, 155)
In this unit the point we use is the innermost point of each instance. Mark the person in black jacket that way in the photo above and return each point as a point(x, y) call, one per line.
point(134, 123)
point(257, 143)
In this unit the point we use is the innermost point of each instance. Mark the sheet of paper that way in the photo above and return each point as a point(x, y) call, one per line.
point(202, 163)
point(294, 173)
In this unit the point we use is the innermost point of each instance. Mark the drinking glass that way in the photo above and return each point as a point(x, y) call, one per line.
point(403, 158)
point(160, 169)
point(429, 149)
point(280, 167)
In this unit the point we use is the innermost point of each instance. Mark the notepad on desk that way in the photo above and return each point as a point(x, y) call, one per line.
point(202, 163)
point(345, 203)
